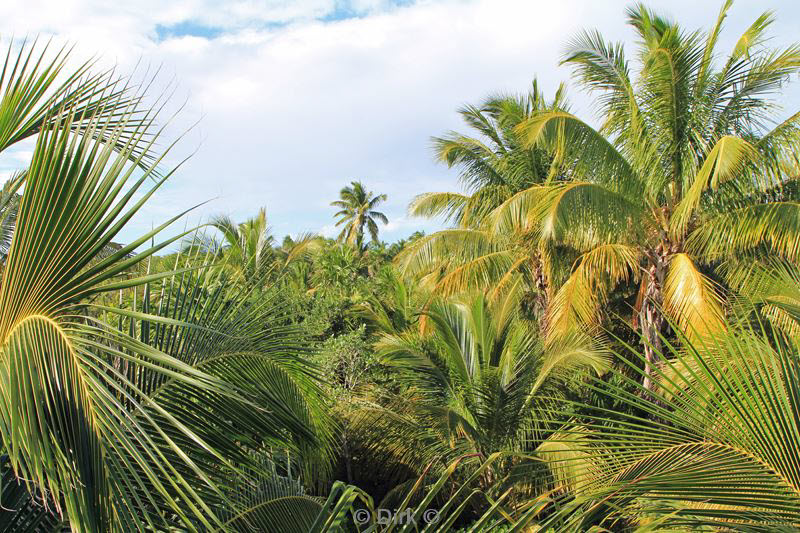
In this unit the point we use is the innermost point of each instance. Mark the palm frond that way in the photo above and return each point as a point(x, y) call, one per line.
point(774, 225)
point(68, 424)
point(715, 448)
point(693, 300)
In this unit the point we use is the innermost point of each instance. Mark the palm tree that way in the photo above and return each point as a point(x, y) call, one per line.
point(246, 248)
point(357, 211)
point(469, 386)
point(687, 170)
point(494, 165)
point(55, 437)
point(393, 307)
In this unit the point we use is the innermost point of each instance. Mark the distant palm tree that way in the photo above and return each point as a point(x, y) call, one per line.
point(358, 210)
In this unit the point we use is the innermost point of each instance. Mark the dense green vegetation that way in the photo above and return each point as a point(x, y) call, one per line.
point(605, 338)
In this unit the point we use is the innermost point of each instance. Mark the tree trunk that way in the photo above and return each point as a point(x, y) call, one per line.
point(651, 317)
point(348, 464)
point(542, 292)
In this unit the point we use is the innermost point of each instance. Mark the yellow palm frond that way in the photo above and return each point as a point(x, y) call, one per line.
point(577, 302)
point(691, 299)
point(724, 161)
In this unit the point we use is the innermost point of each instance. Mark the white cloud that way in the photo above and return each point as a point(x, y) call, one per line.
point(293, 108)
point(405, 224)
point(329, 231)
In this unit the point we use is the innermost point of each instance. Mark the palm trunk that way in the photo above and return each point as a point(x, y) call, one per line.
point(360, 243)
point(651, 317)
point(541, 299)
point(348, 463)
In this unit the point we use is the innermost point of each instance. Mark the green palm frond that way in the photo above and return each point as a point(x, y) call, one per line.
point(425, 505)
point(714, 446)
point(773, 225)
point(577, 303)
point(76, 443)
point(581, 149)
point(429, 252)
point(9, 207)
point(771, 285)
point(246, 248)
point(579, 214)
point(221, 328)
point(41, 90)
point(279, 511)
point(450, 206)
point(725, 160)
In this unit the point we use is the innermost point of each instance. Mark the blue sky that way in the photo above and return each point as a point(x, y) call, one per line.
point(295, 99)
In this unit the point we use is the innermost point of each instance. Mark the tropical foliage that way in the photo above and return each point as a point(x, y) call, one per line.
point(606, 338)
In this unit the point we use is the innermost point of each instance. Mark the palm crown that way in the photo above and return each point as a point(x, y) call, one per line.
point(494, 162)
point(685, 170)
point(357, 210)
point(247, 247)
point(471, 383)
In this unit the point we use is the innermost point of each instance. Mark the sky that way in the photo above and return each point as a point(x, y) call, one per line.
point(285, 102)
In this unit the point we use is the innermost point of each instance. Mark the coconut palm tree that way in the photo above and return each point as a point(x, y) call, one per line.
point(687, 169)
point(493, 161)
point(357, 211)
point(494, 164)
point(393, 308)
point(246, 248)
